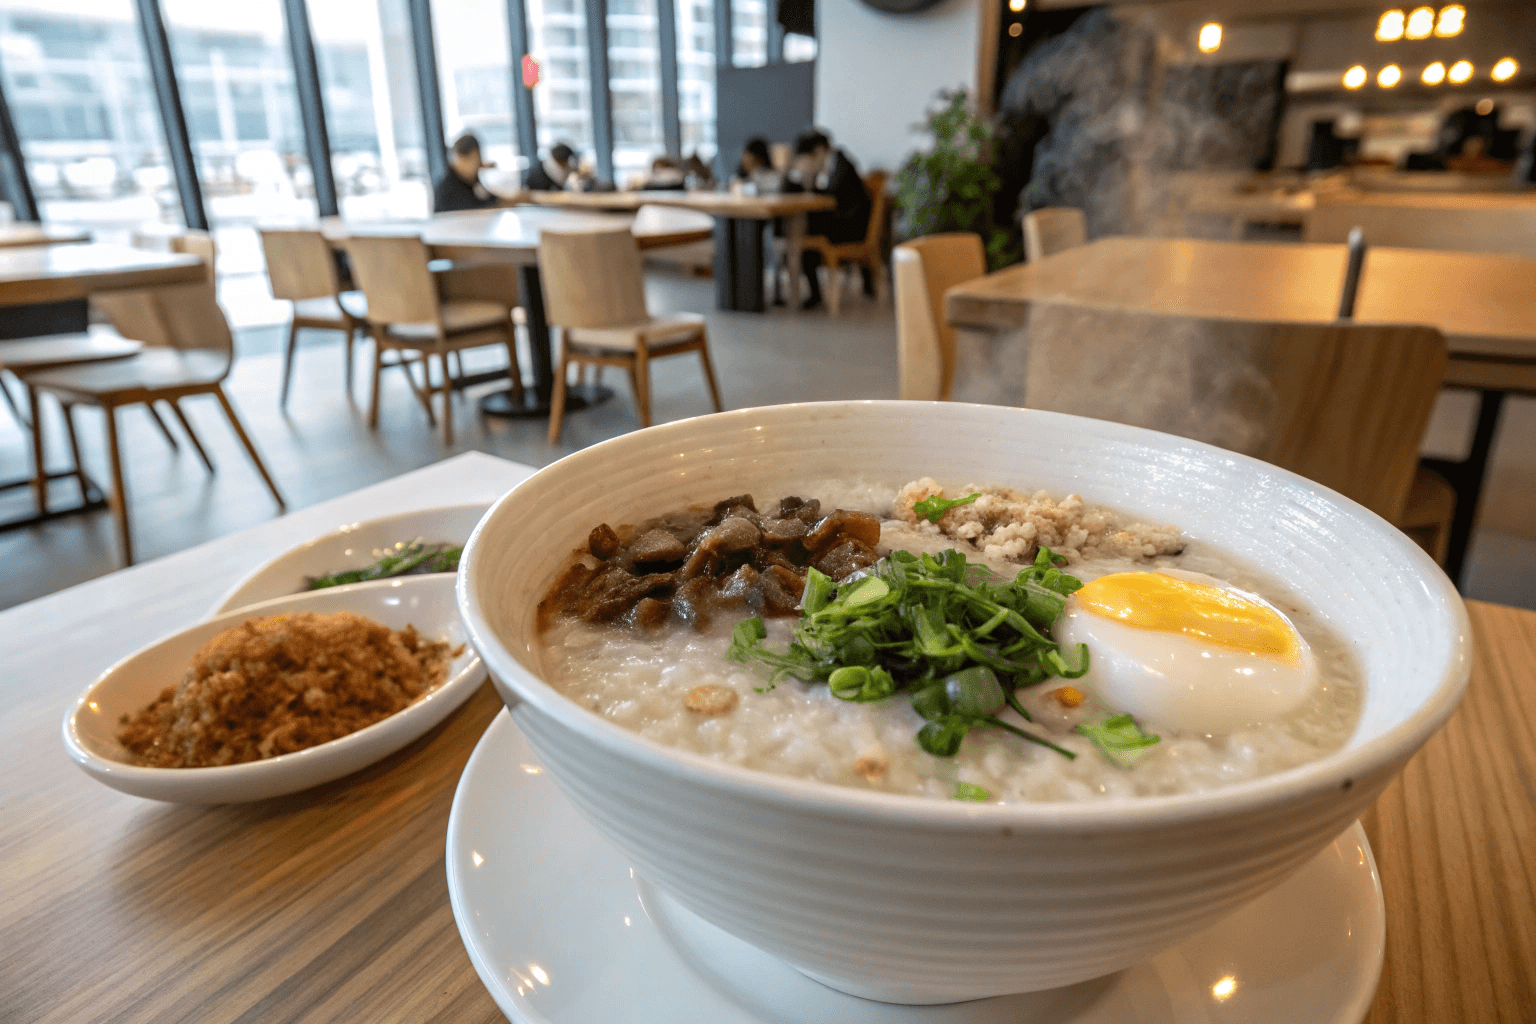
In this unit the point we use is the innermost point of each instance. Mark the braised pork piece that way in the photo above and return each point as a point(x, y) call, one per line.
point(686, 565)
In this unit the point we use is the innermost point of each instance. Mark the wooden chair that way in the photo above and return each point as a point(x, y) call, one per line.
point(1344, 404)
point(1049, 230)
point(1430, 223)
point(302, 269)
point(868, 252)
point(594, 295)
point(188, 351)
point(924, 269)
point(406, 313)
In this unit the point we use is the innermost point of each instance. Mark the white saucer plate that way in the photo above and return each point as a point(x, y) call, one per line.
point(350, 546)
point(562, 932)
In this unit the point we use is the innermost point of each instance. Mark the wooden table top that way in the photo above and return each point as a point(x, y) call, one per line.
point(514, 233)
point(332, 904)
point(27, 233)
point(717, 204)
point(1485, 304)
point(54, 273)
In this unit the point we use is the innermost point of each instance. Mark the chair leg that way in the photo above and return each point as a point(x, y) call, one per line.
point(288, 353)
point(347, 361)
point(118, 499)
point(424, 392)
point(709, 370)
point(378, 369)
point(21, 418)
point(640, 377)
point(186, 425)
point(250, 449)
point(74, 451)
point(514, 369)
point(447, 389)
point(39, 457)
point(834, 286)
point(169, 437)
point(557, 400)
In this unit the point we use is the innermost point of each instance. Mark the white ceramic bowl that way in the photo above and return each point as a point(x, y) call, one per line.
point(90, 728)
point(352, 546)
point(925, 901)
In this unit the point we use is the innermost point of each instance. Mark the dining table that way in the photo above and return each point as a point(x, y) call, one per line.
point(332, 904)
point(23, 232)
point(511, 235)
point(741, 224)
point(1484, 303)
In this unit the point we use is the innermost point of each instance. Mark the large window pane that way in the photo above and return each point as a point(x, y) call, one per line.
point(749, 31)
point(372, 107)
point(563, 99)
point(236, 79)
point(85, 110)
point(696, 76)
point(475, 75)
point(634, 76)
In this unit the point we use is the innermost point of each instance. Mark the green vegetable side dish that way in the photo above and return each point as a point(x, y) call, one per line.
point(957, 637)
point(415, 558)
point(933, 509)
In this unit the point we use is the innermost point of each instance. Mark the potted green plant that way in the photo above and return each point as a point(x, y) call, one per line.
point(952, 186)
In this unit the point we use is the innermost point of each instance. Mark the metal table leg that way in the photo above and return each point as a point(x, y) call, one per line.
point(739, 264)
point(1466, 479)
point(535, 403)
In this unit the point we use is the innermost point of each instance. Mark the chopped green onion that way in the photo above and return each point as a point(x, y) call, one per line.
point(1119, 738)
point(970, 791)
point(933, 509)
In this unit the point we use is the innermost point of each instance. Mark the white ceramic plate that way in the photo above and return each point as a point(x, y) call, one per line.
point(90, 727)
point(562, 932)
point(352, 546)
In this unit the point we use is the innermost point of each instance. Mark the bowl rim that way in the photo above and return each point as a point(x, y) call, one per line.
point(1336, 770)
point(247, 770)
point(221, 605)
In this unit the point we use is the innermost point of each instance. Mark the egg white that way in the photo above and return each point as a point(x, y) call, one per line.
point(1181, 682)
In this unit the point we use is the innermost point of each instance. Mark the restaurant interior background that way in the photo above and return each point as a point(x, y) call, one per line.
point(288, 110)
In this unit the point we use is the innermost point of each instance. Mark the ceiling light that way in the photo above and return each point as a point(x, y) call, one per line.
point(1015, 30)
point(1390, 28)
point(1016, 5)
point(1505, 69)
point(1451, 21)
point(1484, 107)
point(1420, 23)
point(1355, 77)
point(1389, 76)
point(1434, 74)
point(1210, 37)
point(1460, 72)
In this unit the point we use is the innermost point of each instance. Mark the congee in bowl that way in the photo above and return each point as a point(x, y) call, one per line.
point(926, 746)
point(976, 643)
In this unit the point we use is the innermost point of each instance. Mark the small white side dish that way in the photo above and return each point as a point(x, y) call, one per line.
point(90, 727)
point(352, 546)
point(910, 900)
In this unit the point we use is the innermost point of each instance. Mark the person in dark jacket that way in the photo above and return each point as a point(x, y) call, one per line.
point(460, 188)
point(818, 167)
point(551, 174)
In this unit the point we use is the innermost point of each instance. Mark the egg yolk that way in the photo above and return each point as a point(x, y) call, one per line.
point(1167, 604)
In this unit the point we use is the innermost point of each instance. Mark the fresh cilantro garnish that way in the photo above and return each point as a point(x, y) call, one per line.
point(970, 791)
point(933, 509)
point(956, 636)
point(1119, 738)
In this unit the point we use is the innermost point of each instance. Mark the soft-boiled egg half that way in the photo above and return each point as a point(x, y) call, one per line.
point(1187, 651)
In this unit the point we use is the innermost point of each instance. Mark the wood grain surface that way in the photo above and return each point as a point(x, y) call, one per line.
point(55, 273)
point(1484, 304)
point(718, 204)
point(332, 904)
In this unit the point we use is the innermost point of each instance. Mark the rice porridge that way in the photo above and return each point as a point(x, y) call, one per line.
point(646, 647)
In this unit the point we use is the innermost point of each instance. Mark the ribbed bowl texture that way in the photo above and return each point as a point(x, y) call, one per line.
point(913, 900)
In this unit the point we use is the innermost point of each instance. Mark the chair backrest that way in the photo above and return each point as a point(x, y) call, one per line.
point(924, 269)
point(181, 316)
point(1343, 404)
point(483, 282)
point(1052, 229)
point(592, 278)
point(392, 273)
point(194, 242)
point(875, 183)
point(300, 264)
point(1471, 227)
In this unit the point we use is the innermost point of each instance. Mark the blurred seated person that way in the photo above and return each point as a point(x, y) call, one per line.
point(552, 173)
point(460, 188)
point(755, 171)
point(818, 167)
point(666, 176)
point(697, 173)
